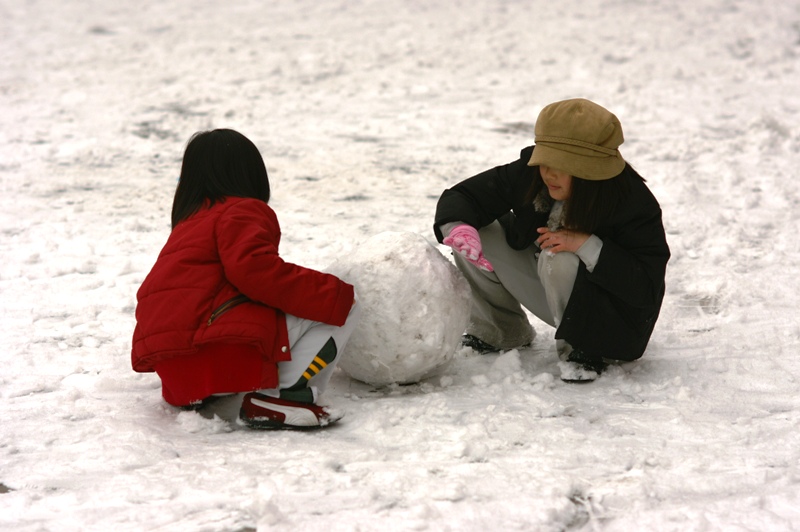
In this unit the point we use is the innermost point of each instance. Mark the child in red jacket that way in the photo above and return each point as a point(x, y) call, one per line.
point(221, 313)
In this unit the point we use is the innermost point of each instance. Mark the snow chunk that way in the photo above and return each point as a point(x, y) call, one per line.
point(415, 307)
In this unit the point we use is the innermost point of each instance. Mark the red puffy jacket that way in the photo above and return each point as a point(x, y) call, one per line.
point(219, 283)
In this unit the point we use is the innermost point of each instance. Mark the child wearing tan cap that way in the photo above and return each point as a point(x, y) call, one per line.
point(569, 231)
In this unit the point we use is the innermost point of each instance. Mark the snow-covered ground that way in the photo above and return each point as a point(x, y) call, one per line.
point(365, 111)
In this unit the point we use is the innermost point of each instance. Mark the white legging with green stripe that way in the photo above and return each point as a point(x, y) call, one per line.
point(306, 340)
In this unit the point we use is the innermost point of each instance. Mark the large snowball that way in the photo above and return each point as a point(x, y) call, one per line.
point(415, 306)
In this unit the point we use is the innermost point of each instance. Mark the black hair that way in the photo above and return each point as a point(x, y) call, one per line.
point(591, 203)
point(217, 164)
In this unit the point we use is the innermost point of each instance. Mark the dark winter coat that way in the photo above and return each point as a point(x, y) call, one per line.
point(219, 281)
point(612, 310)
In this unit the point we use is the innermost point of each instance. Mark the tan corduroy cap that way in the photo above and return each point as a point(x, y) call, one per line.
point(579, 137)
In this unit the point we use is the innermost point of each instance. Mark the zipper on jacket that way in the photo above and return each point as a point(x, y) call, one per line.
point(225, 307)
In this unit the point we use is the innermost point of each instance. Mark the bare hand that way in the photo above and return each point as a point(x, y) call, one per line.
point(562, 240)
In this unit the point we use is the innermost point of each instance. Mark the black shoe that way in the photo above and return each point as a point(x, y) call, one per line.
point(198, 405)
point(580, 367)
point(477, 344)
point(467, 340)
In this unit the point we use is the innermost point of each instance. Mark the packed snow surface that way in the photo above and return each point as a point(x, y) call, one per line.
point(365, 110)
point(415, 305)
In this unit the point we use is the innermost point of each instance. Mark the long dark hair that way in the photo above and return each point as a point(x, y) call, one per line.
point(591, 203)
point(217, 164)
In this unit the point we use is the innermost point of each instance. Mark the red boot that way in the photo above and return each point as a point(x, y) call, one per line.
point(271, 413)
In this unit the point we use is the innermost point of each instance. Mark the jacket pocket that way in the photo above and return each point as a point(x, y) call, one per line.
point(226, 306)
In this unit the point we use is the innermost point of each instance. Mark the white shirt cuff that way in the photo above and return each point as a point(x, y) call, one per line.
point(589, 252)
point(446, 228)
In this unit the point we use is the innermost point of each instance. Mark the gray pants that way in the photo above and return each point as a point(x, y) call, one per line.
point(520, 279)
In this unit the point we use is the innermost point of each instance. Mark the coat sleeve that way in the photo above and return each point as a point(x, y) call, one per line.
point(632, 262)
point(247, 236)
point(485, 197)
point(613, 309)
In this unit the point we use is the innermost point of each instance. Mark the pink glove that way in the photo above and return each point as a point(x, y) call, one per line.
point(465, 240)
